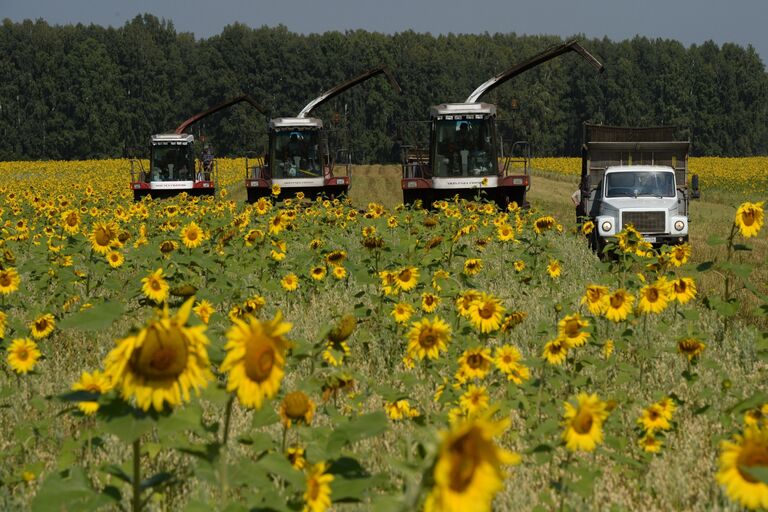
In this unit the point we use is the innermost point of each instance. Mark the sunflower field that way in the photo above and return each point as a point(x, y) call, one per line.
point(205, 354)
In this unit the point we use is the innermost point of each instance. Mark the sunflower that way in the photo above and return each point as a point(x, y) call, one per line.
point(587, 228)
point(607, 349)
point(474, 363)
point(749, 219)
point(682, 290)
point(400, 409)
point(115, 259)
point(583, 422)
point(103, 235)
point(407, 278)
point(468, 473)
point(543, 224)
point(296, 407)
point(275, 189)
point(161, 363)
point(253, 236)
point(649, 443)
point(690, 347)
point(555, 351)
point(465, 300)
point(473, 266)
point(9, 281)
point(654, 418)
point(336, 258)
point(427, 338)
point(3, 324)
point(486, 312)
point(737, 458)
point(290, 282)
point(192, 236)
point(295, 455)
point(474, 400)
point(253, 304)
point(505, 233)
point(554, 269)
point(569, 330)
point(70, 221)
point(402, 312)
point(512, 320)
point(95, 382)
point(680, 254)
point(596, 299)
point(203, 309)
point(653, 298)
point(23, 355)
point(42, 326)
point(155, 287)
point(339, 272)
point(429, 302)
point(318, 272)
point(519, 266)
point(317, 497)
point(255, 358)
point(618, 305)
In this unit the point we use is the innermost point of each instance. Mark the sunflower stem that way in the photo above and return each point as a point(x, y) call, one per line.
point(285, 435)
point(136, 504)
point(227, 418)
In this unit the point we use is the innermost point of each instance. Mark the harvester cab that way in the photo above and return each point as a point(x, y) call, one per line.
point(173, 167)
point(299, 158)
point(465, 153)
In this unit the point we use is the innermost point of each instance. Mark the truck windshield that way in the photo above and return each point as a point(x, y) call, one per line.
point(296, 154)
point(172, 162)
point(640, 183)
point(463, 148)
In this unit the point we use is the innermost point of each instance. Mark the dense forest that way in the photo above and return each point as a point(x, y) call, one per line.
point(81, 91)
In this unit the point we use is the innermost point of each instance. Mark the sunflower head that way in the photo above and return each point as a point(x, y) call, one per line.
point(749, 219)
point(296, 407)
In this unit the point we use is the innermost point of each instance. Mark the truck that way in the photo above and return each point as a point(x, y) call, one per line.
point(173, 168)
point(465, 152)
point(298, 158)
point(637, 177)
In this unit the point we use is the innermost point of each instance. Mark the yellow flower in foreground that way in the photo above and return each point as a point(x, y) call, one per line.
point(555, 351)
point(429, 302)
point(474, 363)
point(402, 312)
point(427, 338)
point(474, 400)
point(317, 498)
point(654, 418)
point(9, 281)
point(407, 278)
point(554, 269)
point(596, 299)
point(473, 266)
point(690, 347)
point(115, 259)
point(583, 422)
point(339, 272)
point(42, 326)
point(569, 330)
point(275, 190)
point(737, 458)
point(619, 305)
point(485, 313)
point(155, 287)
point(192, 236)
point(295, 455)
point(255, 358)
point(649, 443)
point(23, 355)
point(653, 298)
point(468, 472)
point(95, 382)
point(682, 290)
point(204, 309)
point(749, 219)
point(296, 407)
point(162, 362)
point(290, 282)
point(103, 236)
point(400, 409)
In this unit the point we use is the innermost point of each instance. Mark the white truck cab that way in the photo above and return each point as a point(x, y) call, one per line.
point(637, 177)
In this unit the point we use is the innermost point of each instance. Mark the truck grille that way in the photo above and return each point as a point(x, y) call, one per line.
point(645, 222)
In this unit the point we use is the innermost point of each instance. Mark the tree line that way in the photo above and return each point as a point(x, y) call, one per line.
point(78, 91)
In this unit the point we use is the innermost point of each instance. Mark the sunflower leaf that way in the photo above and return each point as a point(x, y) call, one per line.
point(757, 472)
point(97, 318)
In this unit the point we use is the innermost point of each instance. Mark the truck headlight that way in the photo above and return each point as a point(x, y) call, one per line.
point(679, 225)
point(607, 226)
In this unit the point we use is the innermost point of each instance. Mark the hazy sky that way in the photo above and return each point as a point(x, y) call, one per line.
point(689, 21)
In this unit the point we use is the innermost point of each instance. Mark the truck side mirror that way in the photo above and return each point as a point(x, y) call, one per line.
point(695, 192)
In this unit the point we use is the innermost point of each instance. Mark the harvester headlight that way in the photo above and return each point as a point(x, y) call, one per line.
point(679, 225)
point(607, 226)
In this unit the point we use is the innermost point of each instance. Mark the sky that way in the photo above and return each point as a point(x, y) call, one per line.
point(690, 21)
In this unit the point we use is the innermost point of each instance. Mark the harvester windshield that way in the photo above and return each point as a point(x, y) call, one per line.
point(464, 146)
point(296, 153)
point(172, 162)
